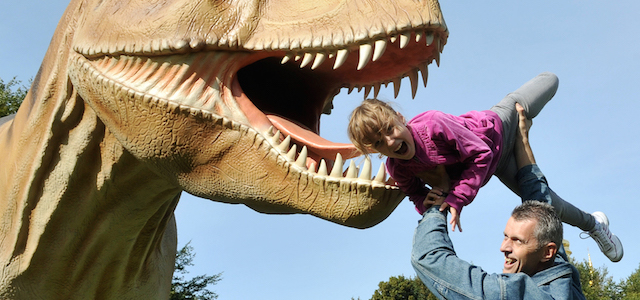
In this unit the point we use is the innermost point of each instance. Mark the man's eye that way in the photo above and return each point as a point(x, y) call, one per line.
point(376, 144)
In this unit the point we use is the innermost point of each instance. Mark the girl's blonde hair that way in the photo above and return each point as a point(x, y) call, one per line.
point(369, 121)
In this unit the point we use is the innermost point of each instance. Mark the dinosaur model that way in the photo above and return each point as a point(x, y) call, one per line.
point(139, 100)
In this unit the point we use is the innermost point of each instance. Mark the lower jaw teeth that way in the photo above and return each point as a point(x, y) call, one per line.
point(336, 172)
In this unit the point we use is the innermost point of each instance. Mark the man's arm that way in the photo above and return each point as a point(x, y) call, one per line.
point(531, 182)
point(523, 152)
point(449, 277)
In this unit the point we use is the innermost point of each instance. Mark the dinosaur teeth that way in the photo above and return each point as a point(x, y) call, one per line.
point(372, 51)
point(312, 167)
point(429, 38)
point(286, 58)
point(336, 171)
point(413, 78)
point(419, 35)
point(397, 82)
point(302, 158)
point(320, 57)
point(284, 146)
point(365, 55)
point(322, 171)
point(275, 140)
point(289, 154)
point(352, 171)
point(376, 90)
point(380, 46)
point(341, 57)
point(404, 39)
point(367, 90)
point(380, 177)
point(308, 57)
point(396, 87)
point(366, 169)
point(425, 74)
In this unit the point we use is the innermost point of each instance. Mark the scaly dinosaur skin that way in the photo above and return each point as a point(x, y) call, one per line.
point(137, 101)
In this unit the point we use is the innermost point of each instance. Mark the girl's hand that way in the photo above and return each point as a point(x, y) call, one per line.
point(455, 218)
point(436, 196)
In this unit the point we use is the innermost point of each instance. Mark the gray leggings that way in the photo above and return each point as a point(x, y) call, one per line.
point(533, 96)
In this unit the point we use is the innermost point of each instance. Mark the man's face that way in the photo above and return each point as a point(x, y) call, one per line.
point(520, 248)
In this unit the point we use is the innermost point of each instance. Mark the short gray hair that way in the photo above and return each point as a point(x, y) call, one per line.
point(549, 227)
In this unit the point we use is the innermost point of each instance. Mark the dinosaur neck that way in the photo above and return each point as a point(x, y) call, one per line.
point(97, 202)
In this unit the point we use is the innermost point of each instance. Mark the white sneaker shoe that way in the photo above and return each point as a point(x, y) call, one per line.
point(609, 243)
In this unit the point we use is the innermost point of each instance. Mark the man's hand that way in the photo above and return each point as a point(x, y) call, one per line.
point(436, 196)
point(522, 149)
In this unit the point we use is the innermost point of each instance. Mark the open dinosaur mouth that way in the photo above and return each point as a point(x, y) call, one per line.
point(294, 89)
point(286, 90)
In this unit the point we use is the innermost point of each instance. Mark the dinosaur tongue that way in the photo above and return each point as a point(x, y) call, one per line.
point(316, 145)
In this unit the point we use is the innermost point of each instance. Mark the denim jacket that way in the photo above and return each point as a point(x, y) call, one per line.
point(449, 277)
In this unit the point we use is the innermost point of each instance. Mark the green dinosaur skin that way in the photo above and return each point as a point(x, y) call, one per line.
point(138, 101)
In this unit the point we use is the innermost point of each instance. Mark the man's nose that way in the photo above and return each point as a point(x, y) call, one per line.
point(505, 246)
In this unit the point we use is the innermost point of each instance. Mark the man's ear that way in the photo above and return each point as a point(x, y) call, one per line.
point(402, 119)
point(549, 251)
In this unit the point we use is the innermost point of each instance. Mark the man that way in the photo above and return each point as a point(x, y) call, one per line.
point(535, 265)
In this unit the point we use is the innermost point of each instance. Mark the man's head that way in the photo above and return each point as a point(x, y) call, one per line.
point(531, 238)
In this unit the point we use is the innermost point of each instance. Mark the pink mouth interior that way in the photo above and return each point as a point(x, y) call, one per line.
point(318, 148)
point(403, 149)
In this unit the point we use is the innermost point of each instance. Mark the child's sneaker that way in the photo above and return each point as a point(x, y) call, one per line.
point(609, 243)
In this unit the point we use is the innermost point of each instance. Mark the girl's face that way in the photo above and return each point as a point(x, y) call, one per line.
point(396, 142)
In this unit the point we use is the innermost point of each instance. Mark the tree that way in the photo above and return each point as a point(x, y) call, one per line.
point(195, 288)
point(596, 284)
point(10, 98)
point(401, 288)
point(631, 286)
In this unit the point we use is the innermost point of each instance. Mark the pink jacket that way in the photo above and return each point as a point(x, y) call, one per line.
point(469, 146)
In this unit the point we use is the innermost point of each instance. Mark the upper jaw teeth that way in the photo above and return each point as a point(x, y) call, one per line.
point(289, 152)
point(372, 50)
point(509, 260)
point(398, 148)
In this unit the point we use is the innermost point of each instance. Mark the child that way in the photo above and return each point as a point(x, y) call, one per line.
point(458, 154)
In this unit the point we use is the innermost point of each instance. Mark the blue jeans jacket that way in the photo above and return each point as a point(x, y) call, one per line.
point(449, 277)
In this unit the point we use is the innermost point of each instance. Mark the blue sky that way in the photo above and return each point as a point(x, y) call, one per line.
point(585, 140)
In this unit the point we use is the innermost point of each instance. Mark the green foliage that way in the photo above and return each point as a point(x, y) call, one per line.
point(631, 286)
point(596, 282)
point(401, 288)
point(10, 98)
point(195, 288)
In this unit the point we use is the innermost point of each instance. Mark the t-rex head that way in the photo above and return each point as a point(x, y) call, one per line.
point(224, 97)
